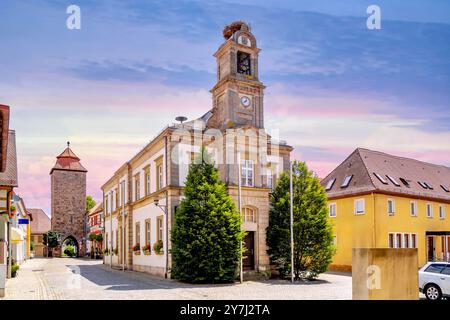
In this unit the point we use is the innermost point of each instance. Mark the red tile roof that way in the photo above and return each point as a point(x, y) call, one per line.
point(68, 161)
point(40, 222)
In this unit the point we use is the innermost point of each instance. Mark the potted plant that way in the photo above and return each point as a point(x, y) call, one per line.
point(106, 252)
point(136, 249)
point(146, 249)
point(14, 268)
point(12, 209)
point(116, 251)
point(158, 247)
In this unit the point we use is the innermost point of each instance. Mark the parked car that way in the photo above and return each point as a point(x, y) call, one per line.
point(434, 280)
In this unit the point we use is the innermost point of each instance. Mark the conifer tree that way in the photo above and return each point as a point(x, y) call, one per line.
point(313, 238)
point(207, 235)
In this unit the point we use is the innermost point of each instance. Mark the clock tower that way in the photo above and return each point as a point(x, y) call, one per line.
point(238, 94)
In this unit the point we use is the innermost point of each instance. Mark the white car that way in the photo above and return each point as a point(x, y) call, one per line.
point(434, 280)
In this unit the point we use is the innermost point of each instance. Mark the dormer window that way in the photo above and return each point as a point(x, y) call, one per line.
point(445, 188)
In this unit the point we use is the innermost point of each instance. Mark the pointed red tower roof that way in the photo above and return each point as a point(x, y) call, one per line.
point(68, 161)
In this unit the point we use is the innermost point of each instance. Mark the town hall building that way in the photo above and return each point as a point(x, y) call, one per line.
point(142, 196)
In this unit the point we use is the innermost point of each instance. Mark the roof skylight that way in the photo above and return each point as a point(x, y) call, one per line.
point(429, 186)
point(393, 180)
point(380, 178)
point(423, 185)
point(346, 181)
point(330, 184)
point(446, 189)
point(405, 182)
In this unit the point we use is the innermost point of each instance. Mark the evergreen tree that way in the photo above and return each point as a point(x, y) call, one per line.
point(206, 237)
point(313, 238)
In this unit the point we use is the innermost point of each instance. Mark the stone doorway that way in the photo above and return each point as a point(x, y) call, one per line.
point(70, 247)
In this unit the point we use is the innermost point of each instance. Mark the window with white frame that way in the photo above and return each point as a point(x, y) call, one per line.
point(159, 228)
point(413, 240)
point(147, 232)
point(406, 237)
point(413, 208)
point(159, 172)
point(247, 173)
point(402, 240)
point(147, 181)
point(429, 210)
point(360, 206)
point(391, 240)
point(332, 209)
point(137, 187)
point(391, 207)
point(441, 212)
point(138, 233)
point(123, 193)
point(249, 214)
point(269, 179)
point(398, 240)
point(335, 241)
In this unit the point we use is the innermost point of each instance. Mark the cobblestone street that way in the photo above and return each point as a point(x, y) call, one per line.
point(65, 278)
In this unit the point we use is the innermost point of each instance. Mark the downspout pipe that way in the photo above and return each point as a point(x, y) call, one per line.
point(111, 232)
point(8, 210)
point(167, 206)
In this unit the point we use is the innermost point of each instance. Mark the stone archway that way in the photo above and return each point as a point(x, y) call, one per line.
point(70, 247)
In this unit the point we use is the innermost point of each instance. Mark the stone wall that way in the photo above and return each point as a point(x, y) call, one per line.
point(68, 190)
point(385, 274)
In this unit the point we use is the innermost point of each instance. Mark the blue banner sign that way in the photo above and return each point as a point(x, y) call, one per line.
point(23, 221)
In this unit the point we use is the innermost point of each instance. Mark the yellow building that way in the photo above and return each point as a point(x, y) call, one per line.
point(377, 200)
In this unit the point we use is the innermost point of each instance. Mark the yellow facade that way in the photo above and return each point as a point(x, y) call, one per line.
point(372, 228)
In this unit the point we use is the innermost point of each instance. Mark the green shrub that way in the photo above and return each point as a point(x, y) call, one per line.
point(14, 268)
point(70, 251)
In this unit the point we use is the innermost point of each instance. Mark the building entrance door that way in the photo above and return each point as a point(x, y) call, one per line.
point(249, 254)
point(430, 248)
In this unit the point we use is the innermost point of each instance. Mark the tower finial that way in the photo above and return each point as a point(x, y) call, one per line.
point(68, 144)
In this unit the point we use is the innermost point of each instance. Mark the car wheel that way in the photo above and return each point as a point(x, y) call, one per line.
point(433, 292)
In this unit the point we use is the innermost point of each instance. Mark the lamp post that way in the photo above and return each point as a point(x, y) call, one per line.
point(291, 188)
point(163, 207)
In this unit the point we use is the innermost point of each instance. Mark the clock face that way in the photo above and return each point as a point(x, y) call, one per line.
point(246, 101)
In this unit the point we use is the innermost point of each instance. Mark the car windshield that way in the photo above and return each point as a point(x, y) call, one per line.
point(435, 268)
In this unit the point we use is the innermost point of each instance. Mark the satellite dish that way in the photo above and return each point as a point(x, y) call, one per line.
point(181, 119)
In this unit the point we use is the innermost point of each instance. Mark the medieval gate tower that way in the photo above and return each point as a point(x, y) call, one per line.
point(68, 193)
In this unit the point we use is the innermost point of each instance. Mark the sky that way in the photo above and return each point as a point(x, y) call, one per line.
point(332, 84)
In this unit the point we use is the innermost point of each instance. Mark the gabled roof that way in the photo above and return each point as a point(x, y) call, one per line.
point(9, 176)
point(397, 175)
point(68, 161)
point(96, 209)
point(40, 222)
